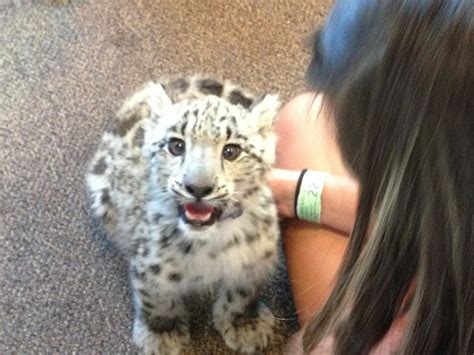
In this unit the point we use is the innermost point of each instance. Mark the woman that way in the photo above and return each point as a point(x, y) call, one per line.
point(392, 126)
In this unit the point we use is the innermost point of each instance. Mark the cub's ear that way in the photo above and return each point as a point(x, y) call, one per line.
point(157, 99)
point(264, 112)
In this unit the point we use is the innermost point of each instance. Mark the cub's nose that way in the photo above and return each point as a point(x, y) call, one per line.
point(198, 191)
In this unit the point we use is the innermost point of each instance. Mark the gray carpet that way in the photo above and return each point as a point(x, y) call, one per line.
point(65, 66)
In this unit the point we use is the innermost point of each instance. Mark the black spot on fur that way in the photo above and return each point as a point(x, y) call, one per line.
point(239, 320)
point(267, 221)
point(210, 87)
point(169, 260)
point(229, 133)
point(173, 233)
point(229, 245)
point(183, 128)
point(161, 325)
point(100, 167)
point(157, 217)
point(134, 159)
point(145, 313)
point(243, 293)
point(105, 198)
point(212, 255)
point(161, 144)
point(175, 277)
point(155, 269)
point(139, 138)
point(236, 97)
point(268, 254)
point(165, 241)
point(230, 298)
point(147, 305)
point(251, 192)
point(253, 155)
point(251, 238)
point(250, 312)
point(145, 251)
point(174, 129)
point(236, 240)
point(180, 84)
point(143, 292)
point(241, 137)
point(123, 126)
point(140, 275)
point(186, 247)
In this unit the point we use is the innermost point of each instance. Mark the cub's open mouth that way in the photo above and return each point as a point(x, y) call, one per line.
point(199, 213)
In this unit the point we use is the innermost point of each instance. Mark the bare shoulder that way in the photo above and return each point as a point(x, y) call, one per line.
point(306, 136)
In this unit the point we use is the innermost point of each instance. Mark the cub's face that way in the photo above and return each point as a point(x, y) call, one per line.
point(210, 155)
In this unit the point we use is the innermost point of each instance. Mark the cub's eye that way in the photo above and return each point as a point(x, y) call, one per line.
point(231, 151)
point(176, 146)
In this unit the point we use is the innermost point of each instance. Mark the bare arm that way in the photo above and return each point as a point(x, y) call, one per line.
point(313, 251)
point(338, 201)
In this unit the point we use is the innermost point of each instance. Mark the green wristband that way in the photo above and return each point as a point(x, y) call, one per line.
point(308, 200)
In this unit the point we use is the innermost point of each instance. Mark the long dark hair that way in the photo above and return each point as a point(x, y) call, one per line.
point(398, 76)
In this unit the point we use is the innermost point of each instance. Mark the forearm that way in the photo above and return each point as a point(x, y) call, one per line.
point(339, 203)
point(338, 200)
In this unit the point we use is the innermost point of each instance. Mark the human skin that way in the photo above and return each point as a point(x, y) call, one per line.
point(314, 252)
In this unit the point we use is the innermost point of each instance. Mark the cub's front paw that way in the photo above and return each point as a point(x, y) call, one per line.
point(161, 336)
point(246, 332)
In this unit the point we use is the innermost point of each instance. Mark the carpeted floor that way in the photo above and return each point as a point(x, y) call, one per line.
point(65, 66)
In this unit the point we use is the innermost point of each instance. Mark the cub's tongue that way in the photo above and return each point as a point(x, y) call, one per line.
point(198, 211)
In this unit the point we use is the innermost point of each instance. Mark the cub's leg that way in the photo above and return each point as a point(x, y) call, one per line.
point(161, 321)
point(245, 323)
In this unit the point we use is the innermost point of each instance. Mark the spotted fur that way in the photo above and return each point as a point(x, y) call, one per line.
point(137, 187)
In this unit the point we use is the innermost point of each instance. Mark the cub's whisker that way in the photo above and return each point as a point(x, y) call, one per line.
point(179, 193)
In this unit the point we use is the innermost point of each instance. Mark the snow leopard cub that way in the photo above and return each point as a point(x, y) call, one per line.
point(178, 182)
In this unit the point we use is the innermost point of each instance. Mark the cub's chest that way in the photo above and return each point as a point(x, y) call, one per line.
point(229, 254)
point(205, 264)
